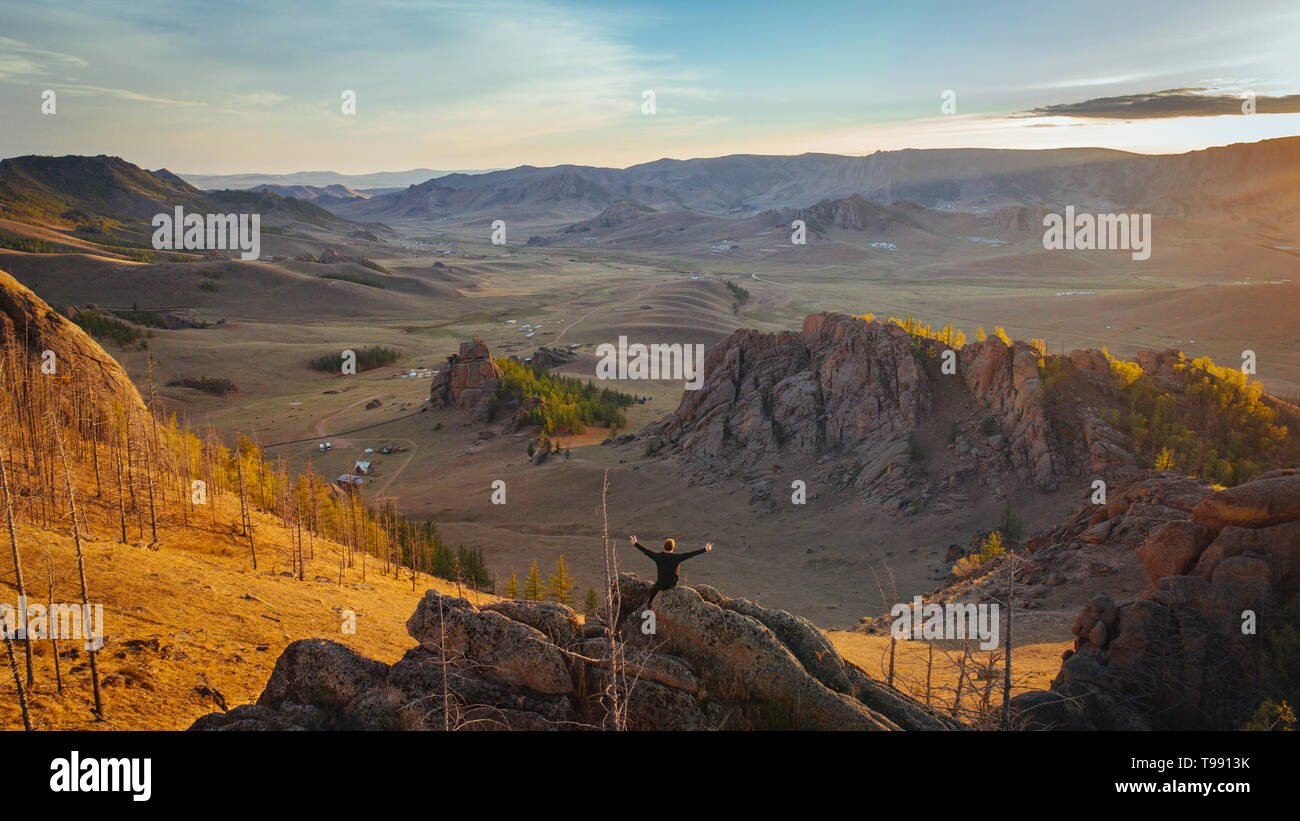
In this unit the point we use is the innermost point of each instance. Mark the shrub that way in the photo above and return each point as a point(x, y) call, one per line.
point(147, 318)
point(216, 387)
point(103, 326)
point(375, 356)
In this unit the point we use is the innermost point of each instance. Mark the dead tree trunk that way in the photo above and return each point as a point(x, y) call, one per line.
point(246, 520)
point(18, 566)
point(121, 492)
point(81, 564)
point(49, 608)
point(1006, 674)
point(18, 682)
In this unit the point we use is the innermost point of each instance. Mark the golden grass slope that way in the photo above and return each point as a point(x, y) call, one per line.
point(188, 625)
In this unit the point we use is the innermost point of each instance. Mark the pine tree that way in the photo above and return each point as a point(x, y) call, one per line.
point(560, 585)
point(512, 587)
point(593, 601)
point(980, 336)
point(533, 584)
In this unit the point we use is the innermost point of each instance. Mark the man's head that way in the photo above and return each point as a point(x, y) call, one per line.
point(669, 545)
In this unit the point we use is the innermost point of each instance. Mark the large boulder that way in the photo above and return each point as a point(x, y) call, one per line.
point(808, 644)
point(435, 693)
point(743, 657)
point(1278, 545)
point(496, 646)
point(1263, 502)
point(321, 672)
point(1173, 548)
point(558, 622)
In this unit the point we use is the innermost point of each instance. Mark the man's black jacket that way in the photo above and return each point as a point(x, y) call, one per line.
point(667, 565)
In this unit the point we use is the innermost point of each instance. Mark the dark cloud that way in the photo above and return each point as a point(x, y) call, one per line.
point(1174, 102)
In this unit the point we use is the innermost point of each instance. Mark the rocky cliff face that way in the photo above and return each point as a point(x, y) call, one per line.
point(712, 663)
point(467, 380)
point(30, 327)
point(849, 395)
point(1177, 657)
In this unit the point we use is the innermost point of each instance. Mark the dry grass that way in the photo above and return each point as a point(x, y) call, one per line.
point(1034, 665)
point(189, 625)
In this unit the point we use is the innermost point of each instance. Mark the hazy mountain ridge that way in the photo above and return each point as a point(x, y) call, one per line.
point(321, 179)
point(1257, 175)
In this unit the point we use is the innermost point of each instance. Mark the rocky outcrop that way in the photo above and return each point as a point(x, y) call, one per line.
point(850, 394)
point(551, 357)
point(1182, 655)
point(467, 380)
point(31, 327)
point(709, 662)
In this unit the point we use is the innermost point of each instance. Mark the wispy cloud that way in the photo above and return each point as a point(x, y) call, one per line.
point(20, 60)
point(123, 94)
point(1174, 102)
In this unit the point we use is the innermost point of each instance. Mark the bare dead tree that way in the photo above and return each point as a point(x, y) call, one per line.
point(18, 682)
point(961, 677)
point(49, 608)
point(81, 562)
point(1006, 673)
point(929, 672)
point(246, 520)
point(18, 565)
point(617, 707)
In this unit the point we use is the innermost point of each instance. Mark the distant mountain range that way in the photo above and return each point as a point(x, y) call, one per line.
point(95, 195)
point(379, 179)
point(1256, 183)
point(1258, 180)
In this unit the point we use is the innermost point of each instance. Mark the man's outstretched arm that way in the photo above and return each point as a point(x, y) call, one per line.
point(640, 547)
point(707, 547)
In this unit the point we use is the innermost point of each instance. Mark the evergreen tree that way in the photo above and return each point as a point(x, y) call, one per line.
point(1012, 526)
point(533, 584)
point(512, 587)
point(560, 586)
point(593, 601)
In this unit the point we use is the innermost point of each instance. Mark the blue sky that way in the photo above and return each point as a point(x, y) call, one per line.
point(234, 86)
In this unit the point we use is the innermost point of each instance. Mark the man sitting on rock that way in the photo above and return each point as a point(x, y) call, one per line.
point(667, 562)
